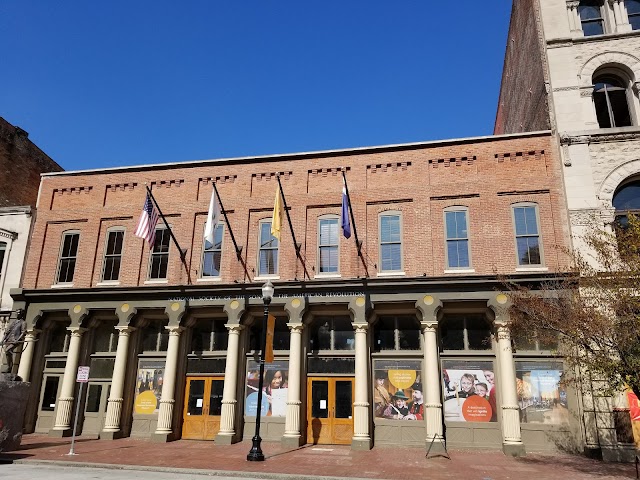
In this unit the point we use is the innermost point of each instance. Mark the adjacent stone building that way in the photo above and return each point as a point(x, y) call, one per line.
point(574, 66)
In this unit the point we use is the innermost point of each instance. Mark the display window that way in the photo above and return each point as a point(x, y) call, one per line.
point(148, 386)
point(397, 389)
point(542, 396)
point(469, 391)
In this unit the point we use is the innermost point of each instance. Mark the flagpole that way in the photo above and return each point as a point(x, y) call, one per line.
point(293, 235)
point(233, 237)
point(183, 253)
point(353, 223)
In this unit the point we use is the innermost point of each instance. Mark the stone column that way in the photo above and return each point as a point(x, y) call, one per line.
point(574, 19)
point(164, 429)
point(111, 428)
point(26, 358)
point(62, 426)
point(429, 307)
point(511, 435)
point(227, 433)
point(620, 16)
point(361, 423)
point(293, 437)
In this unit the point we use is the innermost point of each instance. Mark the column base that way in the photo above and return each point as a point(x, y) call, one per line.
point(514, 449)
point(162, 437)
point(67, 432)
point(226, 439)
point(292, 441)
point(105, 435)
point(361, 444)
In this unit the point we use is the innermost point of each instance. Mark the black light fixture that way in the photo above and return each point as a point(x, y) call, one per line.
point(256, 455)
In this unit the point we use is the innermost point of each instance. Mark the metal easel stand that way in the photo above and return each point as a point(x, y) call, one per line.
point(444, 445)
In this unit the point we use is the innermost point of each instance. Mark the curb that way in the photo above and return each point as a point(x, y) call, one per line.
point(190, 471)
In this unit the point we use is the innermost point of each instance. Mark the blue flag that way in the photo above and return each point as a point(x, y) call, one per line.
point(344, 221)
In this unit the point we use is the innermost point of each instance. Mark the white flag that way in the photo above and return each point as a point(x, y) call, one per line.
point(212, 218)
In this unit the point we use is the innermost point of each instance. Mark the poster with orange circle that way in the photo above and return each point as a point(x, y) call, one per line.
point(476, 409)
point(402, 379)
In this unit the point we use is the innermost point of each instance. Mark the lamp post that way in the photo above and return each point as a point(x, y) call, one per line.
point(256, 455)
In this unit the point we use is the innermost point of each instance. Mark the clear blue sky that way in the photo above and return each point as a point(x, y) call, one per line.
point(110, 83)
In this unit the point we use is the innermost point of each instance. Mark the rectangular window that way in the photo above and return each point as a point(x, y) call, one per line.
point(268, 251)
point(542, 396)
point(68, 255)
point(328, 245)
point(633, 12)
point(113, 256)
point(390, 243)
point(160, 255)
point(590, 12)
point(527, 235)
point(212, 255)
point(457, 239)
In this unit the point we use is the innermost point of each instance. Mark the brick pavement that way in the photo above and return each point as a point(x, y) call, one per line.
point(336, 461)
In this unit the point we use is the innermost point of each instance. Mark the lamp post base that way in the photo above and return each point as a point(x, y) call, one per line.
point(256, 455)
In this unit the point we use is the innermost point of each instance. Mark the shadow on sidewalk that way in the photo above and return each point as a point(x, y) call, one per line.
point(582, 465)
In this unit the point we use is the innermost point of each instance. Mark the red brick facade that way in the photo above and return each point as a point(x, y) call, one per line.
point(487, 175)
point(21, 163)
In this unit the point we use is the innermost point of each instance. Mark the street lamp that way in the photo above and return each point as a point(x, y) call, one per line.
point(256, 455)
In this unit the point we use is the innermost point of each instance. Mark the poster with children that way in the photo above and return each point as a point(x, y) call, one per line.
point(397, 390)
point(469, 391)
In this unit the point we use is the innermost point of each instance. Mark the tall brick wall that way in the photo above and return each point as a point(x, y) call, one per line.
point(486, 175)
point(523, 103)
point(21, 163)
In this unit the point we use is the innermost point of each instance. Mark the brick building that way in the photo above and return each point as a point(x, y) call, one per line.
point(573, 66)
point(19, 159)
point(384, 348)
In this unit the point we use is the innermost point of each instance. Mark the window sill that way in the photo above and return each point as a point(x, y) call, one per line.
point(209, 279)
point(327, 275)
point(460, 270)
point(266, 277)
point(62, 285)
point(391, 274)
point(108, 284)
point(532, 269)
point(156, 282)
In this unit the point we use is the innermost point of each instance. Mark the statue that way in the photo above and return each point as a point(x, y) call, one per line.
point(14, 337)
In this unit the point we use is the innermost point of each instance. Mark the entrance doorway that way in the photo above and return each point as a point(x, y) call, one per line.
point(330, 410)
point(95, 408)
point(51, 385)
point(202, 408)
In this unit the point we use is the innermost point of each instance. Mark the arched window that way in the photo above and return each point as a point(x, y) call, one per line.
point(591, 17)
point(626, 200)
point(610, 99)
point(633, 11)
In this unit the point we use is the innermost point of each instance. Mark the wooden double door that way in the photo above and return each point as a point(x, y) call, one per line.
point(202, 407)
point(330, 410)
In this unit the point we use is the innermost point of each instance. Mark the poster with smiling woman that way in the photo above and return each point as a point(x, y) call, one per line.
point(274, 390)
point(469, 391)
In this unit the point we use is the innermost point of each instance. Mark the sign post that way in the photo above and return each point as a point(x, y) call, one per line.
point(82, 378)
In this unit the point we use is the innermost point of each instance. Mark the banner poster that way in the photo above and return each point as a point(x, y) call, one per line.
point(397, 389)
point(469, 391)
point(634, 412)
point(274, 390)
point(541, 395)
point(148, 386)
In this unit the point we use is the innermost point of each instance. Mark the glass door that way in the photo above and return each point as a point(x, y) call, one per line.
point(330, 410)
point(202, 408)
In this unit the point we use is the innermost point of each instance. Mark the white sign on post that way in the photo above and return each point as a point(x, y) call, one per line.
point(83, 375)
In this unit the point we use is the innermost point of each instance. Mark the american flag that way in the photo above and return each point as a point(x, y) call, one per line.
point(148, 220)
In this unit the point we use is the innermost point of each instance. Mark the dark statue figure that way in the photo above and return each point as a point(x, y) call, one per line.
point(13, 337)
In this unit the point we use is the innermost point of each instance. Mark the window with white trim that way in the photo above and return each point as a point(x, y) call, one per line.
point(457, 238)
point(528, 247)
point(328, 245)
point(68, 256)
point(390, 242)
point(591, 13)
point(212, 254)
point(159, 261)
point(633, 12)
point(611, 93)
point(113, 255)
point(267, 250)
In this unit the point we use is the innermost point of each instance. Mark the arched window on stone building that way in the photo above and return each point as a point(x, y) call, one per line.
point(611, 94)
point(626, 200)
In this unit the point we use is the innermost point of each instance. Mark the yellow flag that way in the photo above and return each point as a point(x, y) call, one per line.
point(278, 211)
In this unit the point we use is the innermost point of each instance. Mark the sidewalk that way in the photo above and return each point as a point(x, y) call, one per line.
point(312, 461)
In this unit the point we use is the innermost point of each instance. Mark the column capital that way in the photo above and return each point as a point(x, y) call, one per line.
point(573, 3)
point(33, 315)
point(295, 327)
point(504, 333)
point(430, 327)
point(500, 304)
point(361, 327)
point(125, 313)
point(174, 330)
point(234, 309)
point(358, 308)
point(234, 328)
point(429, 306)
point(175, 311)
point(296, 307)
point(124, 330)
point(78, 313)
point(76, 331)
point(32, 333)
